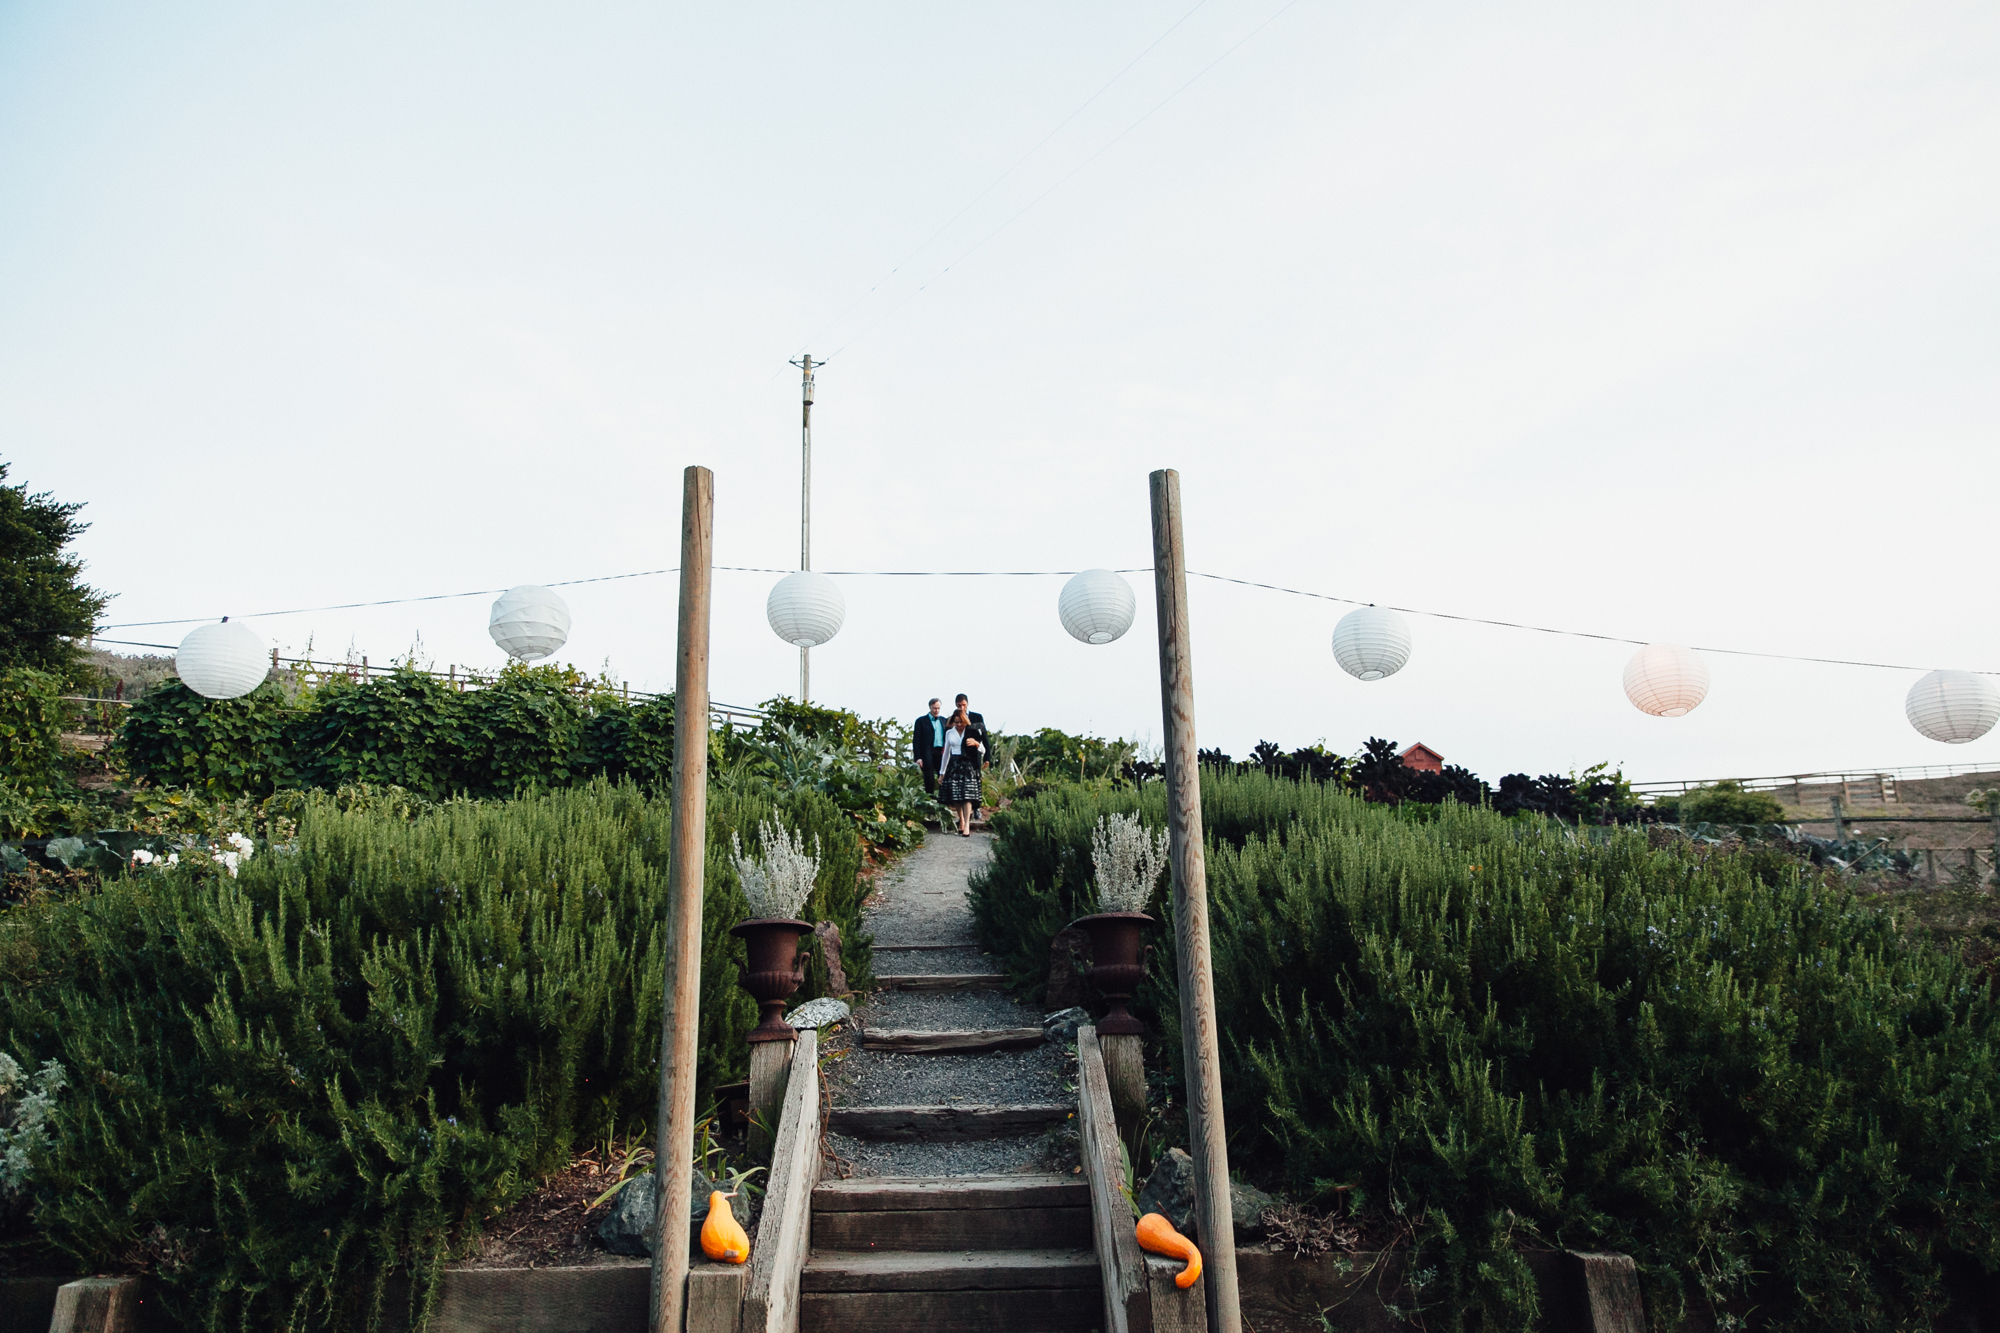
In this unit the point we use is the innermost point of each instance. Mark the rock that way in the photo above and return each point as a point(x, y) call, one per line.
point(1061, 1026)
point(818, 1013)
point(828, 936)
point(1169, 1191)
point(627, 1228)
point(1247, 1206)
point(1069, 954)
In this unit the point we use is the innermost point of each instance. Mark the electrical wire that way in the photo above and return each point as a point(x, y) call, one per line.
point(1032, 574)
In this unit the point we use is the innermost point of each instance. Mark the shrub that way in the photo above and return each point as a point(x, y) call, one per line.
point(31, 723)
point(1755, 1085)
point(227, 747)
point(291, 1085)
point(403, 729)
point(1728, 803)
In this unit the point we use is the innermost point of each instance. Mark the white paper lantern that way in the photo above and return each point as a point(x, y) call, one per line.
point(1953, 706)
point(222, 661)
point(1096, 606)
point(529, 622)
point(1371, 643)
point(806, 609)
point(1666, 680)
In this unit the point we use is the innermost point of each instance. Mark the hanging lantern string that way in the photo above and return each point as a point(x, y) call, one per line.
point(1035, 573)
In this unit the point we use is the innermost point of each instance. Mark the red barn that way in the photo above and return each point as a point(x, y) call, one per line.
point(1424, 757)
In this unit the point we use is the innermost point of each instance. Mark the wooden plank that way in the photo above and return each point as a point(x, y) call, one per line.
point(1208, 1139)
point(593, 1298)
point(1282, 1294)
point(1174, 1310)
point(1126, 1304)
point(950, 1041)
point(715, 1297)
point(680, 1006)
point(1611, 1292)
point(99, 1305)
point(904, 1193)
point(944, 981)
point(1047, 1310)
point(784, 1232)
point(939, 1124)
point(986, 1270)
point(960, 1230)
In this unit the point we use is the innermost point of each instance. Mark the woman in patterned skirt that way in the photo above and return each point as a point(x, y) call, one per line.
point(959, 787)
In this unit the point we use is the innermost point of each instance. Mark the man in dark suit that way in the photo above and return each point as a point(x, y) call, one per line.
point(927, 745)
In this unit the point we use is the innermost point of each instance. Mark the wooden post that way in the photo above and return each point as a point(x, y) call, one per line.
point(1993, 812)
point(1206, 1140)
point(1839, 824)
point(673, 1154)
point(1125, 1069)
point(770, 1071)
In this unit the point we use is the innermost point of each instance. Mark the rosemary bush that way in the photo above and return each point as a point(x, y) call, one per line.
point(291, 1086)
point(1779, 1103)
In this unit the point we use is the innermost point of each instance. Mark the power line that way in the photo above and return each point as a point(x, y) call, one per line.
point(1035, 574)
point(1115, 140)
point(995, 182)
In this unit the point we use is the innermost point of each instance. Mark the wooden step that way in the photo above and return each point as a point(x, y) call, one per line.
point(945, 981)
point(1022, 1310)
point(949, 1123)
point(926, 1270)
point(874, 1194)
point(950, 1041)
point(955, 1230)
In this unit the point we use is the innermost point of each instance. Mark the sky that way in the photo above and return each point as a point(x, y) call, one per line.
point(1662, 322)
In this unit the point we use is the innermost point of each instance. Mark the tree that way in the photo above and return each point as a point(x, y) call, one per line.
point(44, 604)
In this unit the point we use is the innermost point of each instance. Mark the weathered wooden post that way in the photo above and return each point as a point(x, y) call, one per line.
point(673, 1154)
point(1197, 982)
point(1993, 815)
point(1839, 824)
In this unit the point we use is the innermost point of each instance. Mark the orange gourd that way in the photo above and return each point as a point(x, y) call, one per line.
point(1157, 1234)
point(722, 1239)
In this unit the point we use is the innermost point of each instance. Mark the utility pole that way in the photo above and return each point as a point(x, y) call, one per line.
point(805, 365)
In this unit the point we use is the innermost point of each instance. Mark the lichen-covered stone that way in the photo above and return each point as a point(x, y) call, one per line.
point(818, 1013)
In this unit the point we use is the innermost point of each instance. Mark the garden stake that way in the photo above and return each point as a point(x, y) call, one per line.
point(1206, 1140)
point(680, 1017)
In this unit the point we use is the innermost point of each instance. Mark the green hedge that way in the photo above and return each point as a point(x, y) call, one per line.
point(289, 1086)
point(1778, 1103)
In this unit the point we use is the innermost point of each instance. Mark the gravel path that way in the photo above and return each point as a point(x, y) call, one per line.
point(923, 902)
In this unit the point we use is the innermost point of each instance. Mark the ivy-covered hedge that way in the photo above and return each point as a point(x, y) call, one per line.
point(1780, 1104)
point(289, 1086)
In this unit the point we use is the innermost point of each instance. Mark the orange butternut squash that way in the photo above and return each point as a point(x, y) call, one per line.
point(1157, 1234)
point(722, 1238)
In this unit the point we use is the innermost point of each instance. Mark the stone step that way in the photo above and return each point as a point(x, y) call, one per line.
point(944, 981)
point(946, 1123)
point(951, 1041)
point(910, 948)
point(929, 1270)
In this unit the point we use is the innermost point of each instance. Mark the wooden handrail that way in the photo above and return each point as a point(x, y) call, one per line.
point(1119, 1258)
point(784, 1233)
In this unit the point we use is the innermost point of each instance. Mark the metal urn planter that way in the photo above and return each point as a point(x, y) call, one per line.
point(1117, 965)
point(776, 968)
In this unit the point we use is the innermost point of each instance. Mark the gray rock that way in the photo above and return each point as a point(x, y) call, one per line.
point(1061, 1026)
point(818, 1013)
point(627, 1228)
point(1169, 1191)
point(1247, 1206)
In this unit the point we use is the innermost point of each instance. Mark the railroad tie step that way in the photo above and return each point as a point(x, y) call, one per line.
point(945, 981)
point(951, 1254)
point(950, 1041)
point(953, 1122)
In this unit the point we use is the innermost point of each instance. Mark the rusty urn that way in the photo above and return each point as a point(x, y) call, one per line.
point(775, 969)
point(1117, 965)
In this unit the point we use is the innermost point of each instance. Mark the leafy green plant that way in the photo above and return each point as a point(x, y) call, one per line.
point(1717, 1061)
point(226, 747)
point(333, 1067)
point(1728, 803)
point(402, 729)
